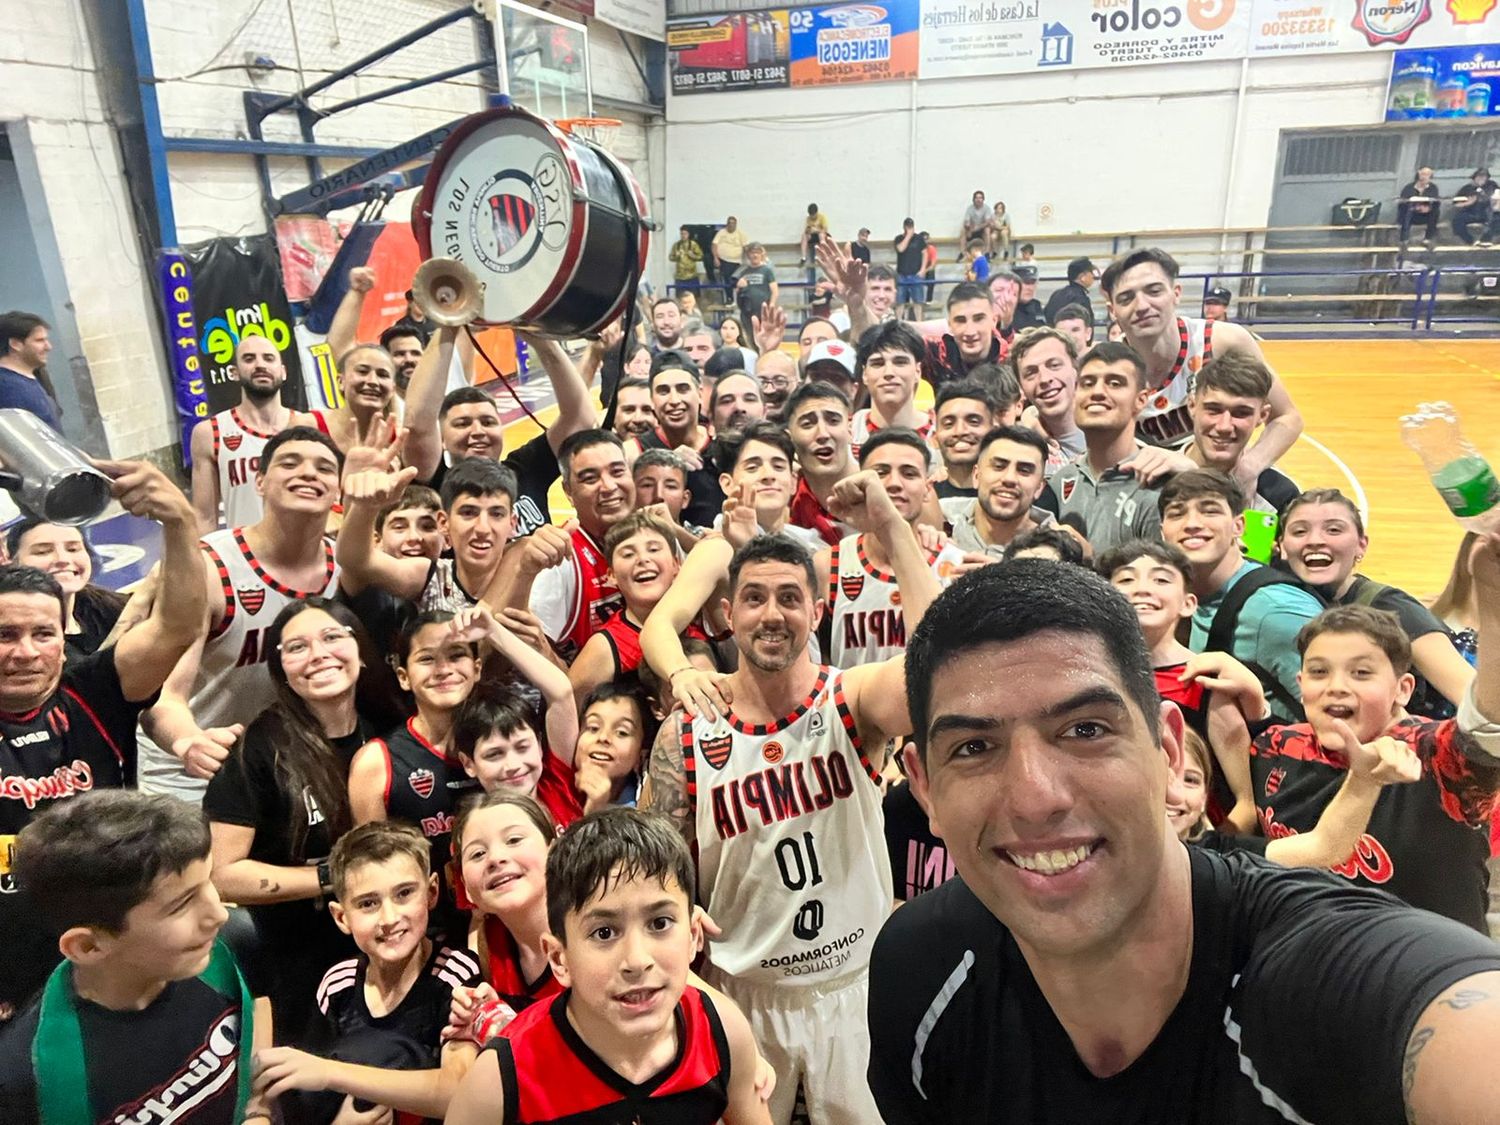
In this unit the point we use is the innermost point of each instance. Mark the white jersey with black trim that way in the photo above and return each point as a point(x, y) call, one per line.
point(864, 603)
point(232, 685)
point(237, 450)
point(791, 845)
point(1165, 419)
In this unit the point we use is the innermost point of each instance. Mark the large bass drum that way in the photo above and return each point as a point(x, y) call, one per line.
point(555, 228)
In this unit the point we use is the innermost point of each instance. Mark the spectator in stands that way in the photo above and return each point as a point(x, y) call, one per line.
point(1000, 230)
point(735, 403)
point(666, 324)
point(1026, 254)
point(814, 229)
point(965, 412)
point(833, 362)
point(978, 262)
point(685, 256)
point(1029, 313)
point(634, 414)
point(755, 282)
point(978, 222)
point(1111, 487)
point(911, 250)
point(929, 266)
point(1005, 295)
point(999, 379)
point(889, 362)
point(880, 294)
point(90, 612)
point(1248, 610)
point(1473, 207)
point(860, 247)
point(1421, 202)
point(1081, 274)
point(817, 420)
point(699, 341)
point(1056, 543)
point(732, 334)
point(971, 338)
point(23, 382)
point(1078, 322)
point(1046, 363)
point(1230, 400)
point(1322, 539)
point(729, 246)
point(1008, 479)
point(1216, 303)
point(777, 374)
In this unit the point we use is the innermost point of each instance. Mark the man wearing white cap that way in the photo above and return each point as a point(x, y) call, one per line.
point(832, 361)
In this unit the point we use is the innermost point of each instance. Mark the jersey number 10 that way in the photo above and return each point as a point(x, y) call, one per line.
point(794, 868)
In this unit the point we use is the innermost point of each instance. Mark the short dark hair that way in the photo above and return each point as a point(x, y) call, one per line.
point(299, 433)
point(766, 433)
point(999, 379)
point(1073, 312)
point(1022, 435)
point(18, 578)
point(656, 304)
point(1379, 625)
point(968, 291)
point(478, 476)
point(1115, 351)
point(412, 496)
point(376, 842)
point(607, 847)
point(1235, 373)
point(92, 859)
point(895, 435)
point(967, 388)
point(1146, 255)
point(631, 382)
point(660, 458)
point(1068, 548)
point(397, 331)
point(672, 360)
point(574, 444)
point(1320, 496)
point(880, 272)
point(895, 335)
point(815, 388)
point(1027, 247)
point(1126, 553)
point(414, 624)
point(773, 549)
point(492, 709)
point(1014, 600)
point(17, 325)
point(632, 692)
point(464, 396)
point(1196, 483)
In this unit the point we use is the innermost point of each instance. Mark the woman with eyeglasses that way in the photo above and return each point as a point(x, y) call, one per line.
point(282, 800)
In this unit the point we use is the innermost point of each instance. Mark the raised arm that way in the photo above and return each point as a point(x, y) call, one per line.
point(424, 398)
point(361, 563)
point(1236, 698)
point(1283, 426)
point(343, 333)
point(575, 406)
point(205, 477)
point(849, 276)
point(703, 571)
point(146, 654)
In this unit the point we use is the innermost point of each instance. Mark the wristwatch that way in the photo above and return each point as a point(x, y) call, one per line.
point(325, 882)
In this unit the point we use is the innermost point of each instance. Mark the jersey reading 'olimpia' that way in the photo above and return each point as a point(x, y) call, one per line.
point(864, 603)
point(1166, 419)
point(791, 852)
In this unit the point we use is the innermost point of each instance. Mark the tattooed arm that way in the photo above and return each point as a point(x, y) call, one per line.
point(1446, 1074)
point(666, 778)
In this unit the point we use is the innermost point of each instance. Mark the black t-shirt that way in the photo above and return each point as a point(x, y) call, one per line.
point(706, 498)
point(1427, 840)
point(82, 738)
point(947, 490)
point(860, 252)
point(1225, 843)
point(758, 281)
point(418, 1020)
point(1285, 963)
point(181, 1051)
point(1276, 488)
point(1416, 621)
point(1070, 294)
point(1029, 314)
point(536, 467)
point(919, 860)
point(909, 261)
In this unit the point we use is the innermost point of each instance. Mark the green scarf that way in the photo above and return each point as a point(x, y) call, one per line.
point(57, 1053)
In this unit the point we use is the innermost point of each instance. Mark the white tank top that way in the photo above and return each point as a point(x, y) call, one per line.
point(791, 840)
point(232, 685)
point(237, 450)
point(865, 621)
point(862, 428)
point(1165, 419)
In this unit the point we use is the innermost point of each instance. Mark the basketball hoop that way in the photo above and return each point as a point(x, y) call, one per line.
point(600, 131)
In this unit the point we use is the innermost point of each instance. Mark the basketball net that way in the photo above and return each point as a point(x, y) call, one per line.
point(600, 131)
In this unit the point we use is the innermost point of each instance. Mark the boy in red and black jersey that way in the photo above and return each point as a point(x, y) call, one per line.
point(1428, 841)
point(623, 935)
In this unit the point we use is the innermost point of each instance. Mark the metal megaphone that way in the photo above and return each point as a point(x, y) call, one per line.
point(447, 292)
point(48, 476)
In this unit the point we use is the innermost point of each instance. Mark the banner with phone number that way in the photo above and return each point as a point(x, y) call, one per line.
point(849, 43)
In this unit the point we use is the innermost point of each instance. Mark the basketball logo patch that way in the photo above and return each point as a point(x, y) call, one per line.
point(233, 441)
point(716, 750)
point(851, 584)
point(773, 752)
point(1067, 490)
point(251, 598)
point(512, 217)
point(422, 783)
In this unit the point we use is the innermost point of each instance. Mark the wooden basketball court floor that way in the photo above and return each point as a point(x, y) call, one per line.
point(1352, 394)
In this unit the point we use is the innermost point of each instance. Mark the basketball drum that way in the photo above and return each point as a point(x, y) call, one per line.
point(554, 227)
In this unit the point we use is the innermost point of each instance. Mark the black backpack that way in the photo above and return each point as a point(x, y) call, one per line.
point(1227, 617)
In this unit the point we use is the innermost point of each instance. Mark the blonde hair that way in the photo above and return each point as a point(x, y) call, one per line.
point(1457, 597)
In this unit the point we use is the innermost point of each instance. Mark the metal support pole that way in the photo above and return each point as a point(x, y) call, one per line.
point(161, 184)
point(405, 87)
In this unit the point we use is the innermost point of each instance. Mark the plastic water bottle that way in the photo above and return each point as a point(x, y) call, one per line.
point(1459, 472)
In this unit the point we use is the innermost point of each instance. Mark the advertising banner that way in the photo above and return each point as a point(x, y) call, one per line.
point(1301, 27)
point(743, 51)
point(1444, 82)
point(237, 292)
point(849, 43)
point(174, 284)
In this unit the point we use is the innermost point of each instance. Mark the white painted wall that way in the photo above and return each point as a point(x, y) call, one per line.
point(1135, 149)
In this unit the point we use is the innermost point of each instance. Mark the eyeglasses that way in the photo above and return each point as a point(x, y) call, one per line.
point(299, 648)
point(778, 383)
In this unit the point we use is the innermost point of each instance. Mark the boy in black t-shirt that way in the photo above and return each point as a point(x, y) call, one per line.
point(630, 1039)
point(385, 1010)
point(148, 1019)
